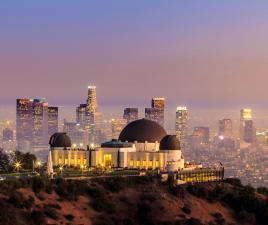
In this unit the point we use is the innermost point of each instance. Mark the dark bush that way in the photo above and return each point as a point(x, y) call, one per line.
point(28, 203)
point(193, 221)
point(55, 206)
point(143, 212)
point(186, 209)
point(69, 217)
point(218, 218)
point(38, 184)
point(113, 184)
point(198, 191)
point(38, 217)
point(17, 200)
point(51, 212)
point(233, 181)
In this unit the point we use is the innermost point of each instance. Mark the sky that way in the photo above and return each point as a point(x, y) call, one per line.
point(195, 52)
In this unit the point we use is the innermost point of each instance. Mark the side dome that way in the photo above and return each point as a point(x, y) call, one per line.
point(170, 142)
point(60, 140)
point(142, 130)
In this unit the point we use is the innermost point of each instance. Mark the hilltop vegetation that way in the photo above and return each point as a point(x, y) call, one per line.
point(130, 201)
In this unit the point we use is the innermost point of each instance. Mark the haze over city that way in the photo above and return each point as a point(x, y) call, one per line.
point(134, 112)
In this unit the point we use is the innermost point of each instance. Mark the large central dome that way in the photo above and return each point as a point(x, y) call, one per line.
point(142, 130)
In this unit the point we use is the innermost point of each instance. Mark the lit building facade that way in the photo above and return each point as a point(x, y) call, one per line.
point(247, 129)
point(24, 123)
point(40, 122)
point(181, 125)
point(157, 111)
point(53, 120)
point(225, 128)
point(131, 114)
point(117, 125)
point(142, 144)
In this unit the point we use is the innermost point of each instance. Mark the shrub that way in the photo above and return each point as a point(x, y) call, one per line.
point(69, 217)
point(233, 181)
point(38, 217)
point(38, 184)
point(29, 202)
point(187, 209)
point(218, 218)
point(51, 212)
point(17, 200)
point(193, 221)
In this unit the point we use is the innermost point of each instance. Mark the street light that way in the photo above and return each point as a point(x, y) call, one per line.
point(82, 169)
point(17, 165)
point(61, 169)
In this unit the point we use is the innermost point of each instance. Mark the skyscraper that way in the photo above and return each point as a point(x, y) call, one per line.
point(40, 122)
point(157, 110)
point(247, 129)
point(131, 114)
point(225, 128)
point(53, 120)
point(24, 123)
point(181, 125)
point(81, 115)
point(7, 134)
point(117, 126)
point(32, 123)
point(203, 133)
point(92, 99)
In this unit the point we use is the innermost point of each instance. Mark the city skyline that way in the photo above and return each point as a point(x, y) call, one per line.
point(135, 45)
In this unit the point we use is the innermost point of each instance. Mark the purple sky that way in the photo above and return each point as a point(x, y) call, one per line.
point(191, 52)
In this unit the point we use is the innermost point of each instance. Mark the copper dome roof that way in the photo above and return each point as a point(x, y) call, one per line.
point(142, 130)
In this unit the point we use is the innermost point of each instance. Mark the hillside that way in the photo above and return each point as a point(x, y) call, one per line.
point(127, 201)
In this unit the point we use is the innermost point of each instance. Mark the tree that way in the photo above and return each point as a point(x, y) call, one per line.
point(4, 161)
point(26, 159)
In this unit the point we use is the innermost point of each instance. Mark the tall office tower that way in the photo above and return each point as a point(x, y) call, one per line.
point(78, 135)
point(157, 110)
point(92, 99)
point(203, 133)
point(181, 124)
point(8, 134)
point(81, 115)
point(24, 124)
point(117, 126)
point(40, 122)
point(225, 128)
point(131, 114)
point(53, 120)
point(247, 130)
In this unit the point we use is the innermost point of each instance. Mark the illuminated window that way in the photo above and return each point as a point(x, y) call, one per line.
point(66, 161)
point(131, 163)
point(107, 160)
point(144, 163)
point(157, 163)
point(138, 163)
point(78, 161)
point(150, 163)
point(85, 161)
point(72, 161)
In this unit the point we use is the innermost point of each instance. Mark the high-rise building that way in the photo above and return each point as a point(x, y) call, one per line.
point(157, 110)
point(131, 114)
point(247, 129)
point(117, 126)
point(181, 125)
point(81, 115)
point(40, 122)
point(24, 123)
point(31, 123)
point(92, 99)
point(8, 134)
point(203, 133)
point(78, 135)
point(225, 128)
point(53, 120)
